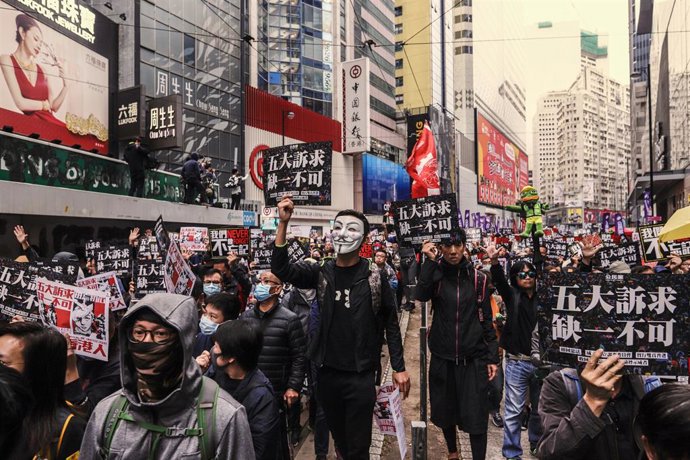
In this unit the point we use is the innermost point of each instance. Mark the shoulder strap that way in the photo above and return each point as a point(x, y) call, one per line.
point(375, 287)
point(479, 293)
point(62, 433)
point(112, 421)
point(573, 386)
point(206, 417)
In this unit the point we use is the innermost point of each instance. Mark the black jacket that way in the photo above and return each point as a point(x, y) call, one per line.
point(97, 379)
point(456, 330)
point(136, 158)
point(256, 395)
point(191, 171)
point(282, 355)
point(515, 301)
point(368, 336)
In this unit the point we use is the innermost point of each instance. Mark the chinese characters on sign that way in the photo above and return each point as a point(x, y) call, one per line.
point(643, 318)
point(556, 248)
point(164, 123)
point(130, 103)
point(301, 170)
point(161, 235)
point(194, 239)
point(108, 284)
point(179, 278)
point(296, 251)
point(227, 240)
point(148, 278)
point(627, 252)
point(388, 415)
point(654, 250)
point(429, 218)
point(81, 313)
point(356, 106)
point(113, 258)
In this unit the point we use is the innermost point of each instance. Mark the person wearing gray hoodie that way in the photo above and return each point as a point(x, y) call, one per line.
point(163, 409)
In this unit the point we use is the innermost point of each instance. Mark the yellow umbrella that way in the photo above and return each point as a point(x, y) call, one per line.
point(677, 227)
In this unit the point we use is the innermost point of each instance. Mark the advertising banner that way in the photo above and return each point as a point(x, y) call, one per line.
point(81, 313)
point(56, 79)
point(300, 170)
point(194, 239)
point(179, 278)
point(107, 283)
point(227, 240)
point(500, 165)
point(148, 277)
point(47, 164)
point(388, 415)
point(429, 218)
point(356, 106)
point(645, 319)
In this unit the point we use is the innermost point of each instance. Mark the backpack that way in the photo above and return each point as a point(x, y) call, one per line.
point(205, 429)
point(573, 386)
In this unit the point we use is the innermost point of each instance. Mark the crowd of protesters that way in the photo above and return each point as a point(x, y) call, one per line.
point(227, 371)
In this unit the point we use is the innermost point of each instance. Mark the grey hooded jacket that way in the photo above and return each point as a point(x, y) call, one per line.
point(177, 410)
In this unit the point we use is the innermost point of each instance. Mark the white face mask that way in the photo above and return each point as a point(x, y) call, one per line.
point(347, 235)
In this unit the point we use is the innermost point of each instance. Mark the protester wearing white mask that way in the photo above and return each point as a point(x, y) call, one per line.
point(355, 304)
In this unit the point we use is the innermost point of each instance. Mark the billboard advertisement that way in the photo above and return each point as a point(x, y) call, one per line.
point(56, 72)
point(382, 181)
point(502, 168)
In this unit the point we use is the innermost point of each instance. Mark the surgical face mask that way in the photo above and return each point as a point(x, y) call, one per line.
point(206, 326)
point(262, 292)
point(211, 289)
point(348, 234)
point(487, 267)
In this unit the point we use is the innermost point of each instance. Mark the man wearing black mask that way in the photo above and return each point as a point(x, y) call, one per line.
point(136, 157)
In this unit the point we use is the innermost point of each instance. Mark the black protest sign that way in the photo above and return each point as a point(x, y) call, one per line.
point(148, 277)
point(645, 319)
point(90, 248)
point(115, 258)
point(18, 286)
point(627, 252)
point(148, 248)
point(300, 170)
point(261, 250)
point(296, 251)
point(227, 240)
point(68, 272)
point(431, 218)
point(161, 235)
point(474, 235)
point(556, 248)
point(652, 249)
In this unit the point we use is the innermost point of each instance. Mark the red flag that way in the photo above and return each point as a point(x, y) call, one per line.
point(422, 165)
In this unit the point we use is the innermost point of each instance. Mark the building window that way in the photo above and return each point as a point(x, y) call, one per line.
point(398, 28)
point(460, 34)
point(463, 50)
point(398, 11)
point(399, 99)
point(399, 82)
point(463, 18)
point(398, 63)
point(398, 46)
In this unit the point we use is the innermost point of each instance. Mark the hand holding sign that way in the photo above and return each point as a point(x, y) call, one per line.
point(430, 250)
point(285, 208)
point(600, 380)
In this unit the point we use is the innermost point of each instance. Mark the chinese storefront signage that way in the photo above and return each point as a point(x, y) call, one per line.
point(356, 106)
point(130, 103)
point(164, 123)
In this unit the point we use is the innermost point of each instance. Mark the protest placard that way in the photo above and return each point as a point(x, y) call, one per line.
point(194, 239)
point(70, 271)
point(18, 286)
point(227, 240)
point(300, 170)
point(474, 235)
point(429, 218)
point(179, 278)
point(296, 251)
point(90, 249)
point(115, 258)
point(388, 415)
point(652, 249)
point(148, 249)
point(148, 278)
point(161, 235)
point(645, 319)
point(627, 252)
point(81, 313)
point(556, 248)
point(366, 251)
point(108, 283)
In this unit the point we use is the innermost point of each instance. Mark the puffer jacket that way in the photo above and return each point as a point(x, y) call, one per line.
point(177, 410)
point(461, 328)
point(282, 357)
point(370, 324)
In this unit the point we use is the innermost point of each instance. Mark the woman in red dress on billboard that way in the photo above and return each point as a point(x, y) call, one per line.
point(26, 80)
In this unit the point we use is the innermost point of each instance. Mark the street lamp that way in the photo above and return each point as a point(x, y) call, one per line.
point(649, 123)
point(289, 114)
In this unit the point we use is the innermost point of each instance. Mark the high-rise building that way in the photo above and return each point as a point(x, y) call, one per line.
point(582, 144)
point(294, 50)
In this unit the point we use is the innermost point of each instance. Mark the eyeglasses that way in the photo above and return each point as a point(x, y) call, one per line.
point(524, 275)
point(268, 283)
point(158, 336)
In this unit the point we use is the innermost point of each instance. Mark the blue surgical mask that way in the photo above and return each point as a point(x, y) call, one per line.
point(211, 289)
point(262, 292)
point(207, 326)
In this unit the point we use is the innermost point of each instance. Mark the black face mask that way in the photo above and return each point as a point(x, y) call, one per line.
point(158, 367)
point(214, 360)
